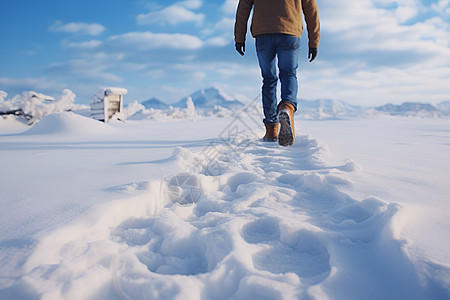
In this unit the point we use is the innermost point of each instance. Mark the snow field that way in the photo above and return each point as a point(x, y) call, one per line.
point(272, 225)
point(268, 222)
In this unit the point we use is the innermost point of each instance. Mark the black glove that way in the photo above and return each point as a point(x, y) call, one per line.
point(240, 47)
point(312, 54)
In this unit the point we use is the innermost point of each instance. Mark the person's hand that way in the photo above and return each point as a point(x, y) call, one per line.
point(312, 53)
point(240, 47)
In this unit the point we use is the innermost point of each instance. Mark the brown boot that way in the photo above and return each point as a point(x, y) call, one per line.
point(286, 136)
point(271, 132)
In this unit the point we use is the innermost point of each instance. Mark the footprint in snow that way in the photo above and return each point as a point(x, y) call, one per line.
point(240, 179)
point(262, 230)
point(167, 245)
point(301, 252)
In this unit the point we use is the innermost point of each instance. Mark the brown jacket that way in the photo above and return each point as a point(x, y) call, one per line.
point(278, 16)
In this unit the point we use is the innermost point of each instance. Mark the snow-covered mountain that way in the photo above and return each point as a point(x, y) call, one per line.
point(327, 109)
point(205, 99)
point(444, 106)
point(335, 109)
point(155, 103)
point(412, 109)
point(210, 98)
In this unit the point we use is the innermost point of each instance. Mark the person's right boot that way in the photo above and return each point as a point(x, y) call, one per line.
point(286, 136)
point(271, 132)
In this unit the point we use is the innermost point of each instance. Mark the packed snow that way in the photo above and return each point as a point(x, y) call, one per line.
point(177, 204)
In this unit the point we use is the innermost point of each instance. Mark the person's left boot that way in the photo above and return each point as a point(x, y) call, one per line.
point(286, 136)
point(271, 132)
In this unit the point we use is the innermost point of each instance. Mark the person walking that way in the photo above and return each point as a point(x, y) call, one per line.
point(277, 27)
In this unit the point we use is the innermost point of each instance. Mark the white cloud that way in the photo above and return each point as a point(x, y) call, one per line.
point(190, 4)
point(217, 41)
point(228, 71)
point(134, 66)
point(229, 6)
point(362, 27)
point(86, 69)
point(171, 93)
point(219, 34)
point(374, 87)
point(156, 74)
point(82, 45)
point(223, 26)
point(197, 76)
point(178, 13)
point(224, 72)
point(80, 27)
point(171, 89)
point(442, 7)
point(372, 56)
point(38, 84)
point(103, 56)
point(406, 12)
point(147, 40)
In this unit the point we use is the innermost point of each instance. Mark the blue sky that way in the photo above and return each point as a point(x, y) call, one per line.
point(371, 52)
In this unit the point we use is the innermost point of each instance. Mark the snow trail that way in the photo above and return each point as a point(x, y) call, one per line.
point(270, 223)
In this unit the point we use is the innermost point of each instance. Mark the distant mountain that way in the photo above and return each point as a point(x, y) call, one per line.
point(444, 106)
point(411, 109)
point(327, 109)
point(155, 103)
point(333, 109)
point(209, 98)
point(206, 100)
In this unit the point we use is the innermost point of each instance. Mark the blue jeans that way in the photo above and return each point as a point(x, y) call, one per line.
point(286, 48)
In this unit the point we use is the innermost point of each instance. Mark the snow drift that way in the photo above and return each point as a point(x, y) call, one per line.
point(69, 124)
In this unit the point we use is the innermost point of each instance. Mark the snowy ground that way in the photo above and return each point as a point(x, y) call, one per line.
point(356, 209)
